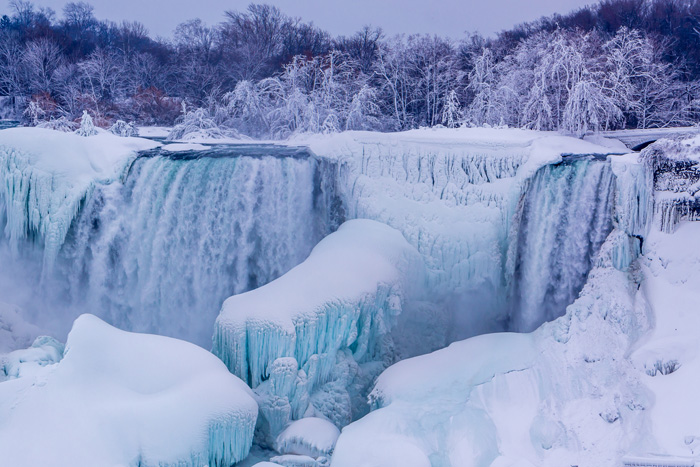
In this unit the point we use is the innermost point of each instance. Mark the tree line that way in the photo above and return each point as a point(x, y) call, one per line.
point(261, 73)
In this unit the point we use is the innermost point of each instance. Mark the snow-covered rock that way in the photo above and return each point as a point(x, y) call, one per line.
point(310, 436)
point(24, 362)
point(311, 342)
point(118, 398)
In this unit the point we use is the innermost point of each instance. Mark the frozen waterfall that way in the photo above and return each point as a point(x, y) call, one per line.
point(160, 251)
point(565, 216)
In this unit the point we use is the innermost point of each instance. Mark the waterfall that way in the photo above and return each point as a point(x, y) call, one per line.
point(565, 216)
point(160, 251)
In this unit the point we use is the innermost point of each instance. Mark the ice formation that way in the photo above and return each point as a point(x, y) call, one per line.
point(117, 398)
point(311, 436)
point(608, 383)
point(182, 231)
point(454, 194)
point(311, 342)
point(46, 175)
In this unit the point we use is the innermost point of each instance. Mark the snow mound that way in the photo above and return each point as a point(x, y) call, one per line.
point(311, 436)
point(45, 175)
point(119, 398)
point(311, 342)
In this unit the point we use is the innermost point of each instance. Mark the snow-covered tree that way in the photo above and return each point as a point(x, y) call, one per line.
point(364, 112)
point(123, 129)
point(451, 110)
point(589, 108)
point(87, 127)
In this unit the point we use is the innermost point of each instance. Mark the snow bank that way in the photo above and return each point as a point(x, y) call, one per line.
point(311, 342)
point(45, 175)
point(118, 398)
point(566, 394)
point(669, 358)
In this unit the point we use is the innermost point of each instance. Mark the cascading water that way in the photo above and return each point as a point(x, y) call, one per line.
point(162, 250)
point(565, 216)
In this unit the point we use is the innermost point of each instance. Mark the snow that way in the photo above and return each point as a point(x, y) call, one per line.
point(154, 131)
point(181, 147)
point(46, 174)
point(118, 398)
point(311, 341)
point(310, 436)
point(672, 286)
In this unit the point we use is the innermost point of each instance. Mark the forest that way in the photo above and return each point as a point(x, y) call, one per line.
point(263, 74)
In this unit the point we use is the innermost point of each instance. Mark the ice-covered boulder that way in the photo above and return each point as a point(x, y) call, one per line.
point(311, 342)
point(310, 436)
point(119, 398)
point(25, 362)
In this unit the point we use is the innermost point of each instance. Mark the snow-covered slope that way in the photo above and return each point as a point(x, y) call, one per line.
point(117, 398)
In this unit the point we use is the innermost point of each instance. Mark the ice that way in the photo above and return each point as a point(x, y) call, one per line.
point(117, 398)
point(45, 175)
point(312, 341)
point(676, 168)
point(21, 363)
point(291, 460)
